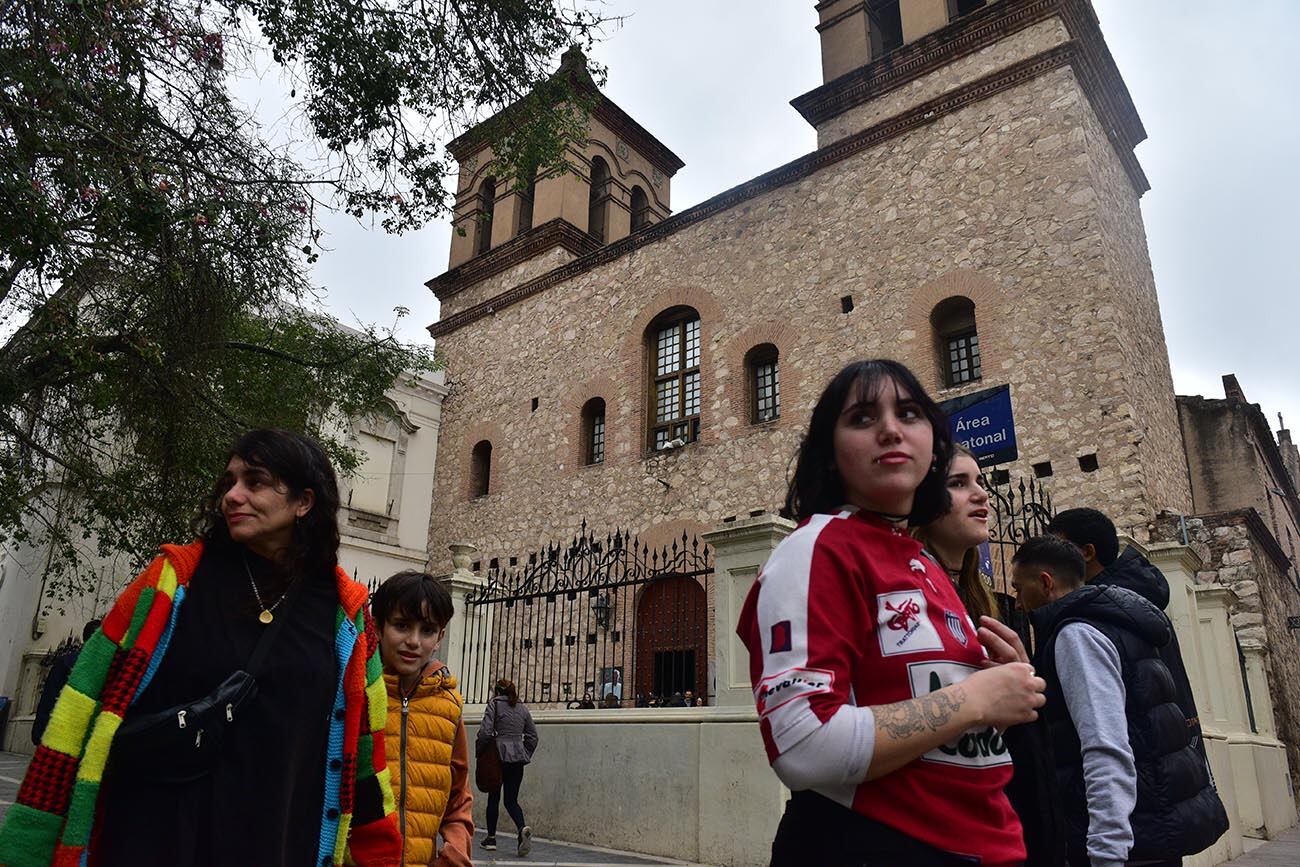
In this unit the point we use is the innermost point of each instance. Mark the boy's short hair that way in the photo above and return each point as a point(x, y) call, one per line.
point(413, 595)
point(1053, 555)
point(1088, 527)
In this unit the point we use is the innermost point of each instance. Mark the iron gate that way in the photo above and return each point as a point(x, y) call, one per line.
point(1021, 511)
point(610, 617)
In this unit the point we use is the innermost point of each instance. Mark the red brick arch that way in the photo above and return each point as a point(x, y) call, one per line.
point(635, 360)
point(782, 336)
point(987, 297)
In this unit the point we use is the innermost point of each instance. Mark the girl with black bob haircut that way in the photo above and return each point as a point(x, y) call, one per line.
point(817, 486)
point(879, 706)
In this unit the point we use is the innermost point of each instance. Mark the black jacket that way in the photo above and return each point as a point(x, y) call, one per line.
point(1134, 572)
point(1178, 811)
point(60, 670)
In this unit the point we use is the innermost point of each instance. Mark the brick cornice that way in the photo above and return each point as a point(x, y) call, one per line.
point(521, 248)
point(972, 33)
point(1067, 54)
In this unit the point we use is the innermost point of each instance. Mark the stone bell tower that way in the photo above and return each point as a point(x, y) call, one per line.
point(620, 183)
point(963, 79)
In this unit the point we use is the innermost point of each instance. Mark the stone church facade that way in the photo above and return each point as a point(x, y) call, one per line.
point(972, 210)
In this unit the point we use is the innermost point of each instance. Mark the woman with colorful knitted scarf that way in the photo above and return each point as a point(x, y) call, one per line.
point(298, 775)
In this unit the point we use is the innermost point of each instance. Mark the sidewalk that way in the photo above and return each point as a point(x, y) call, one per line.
point(1282, 852)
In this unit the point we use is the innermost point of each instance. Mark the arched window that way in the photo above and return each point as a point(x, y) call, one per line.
point(674, 340)
point(487, 203)
point(957, 343)
point(640, 208)
point(526, 196)
point(480, 469)
point(598, 198)
point(593, 431)
point(764, 383)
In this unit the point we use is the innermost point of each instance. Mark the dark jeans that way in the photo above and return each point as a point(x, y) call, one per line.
point(512, 774)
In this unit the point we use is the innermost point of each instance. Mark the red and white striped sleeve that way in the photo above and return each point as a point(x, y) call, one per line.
point(803, 624)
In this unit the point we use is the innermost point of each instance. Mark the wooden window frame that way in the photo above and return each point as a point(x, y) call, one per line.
point(682, 424)
point(593, 432)
point(757, 363)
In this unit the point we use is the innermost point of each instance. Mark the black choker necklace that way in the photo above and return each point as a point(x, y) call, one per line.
point(893, 519)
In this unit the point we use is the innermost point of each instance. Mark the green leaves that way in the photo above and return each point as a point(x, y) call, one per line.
point(153, 298)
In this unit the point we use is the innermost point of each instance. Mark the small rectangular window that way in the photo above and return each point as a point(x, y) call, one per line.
point(767, 392)
point(963, 358)
point(597, 439)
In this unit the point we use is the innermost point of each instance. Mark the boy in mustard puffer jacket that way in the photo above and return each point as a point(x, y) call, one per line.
point(424, 740)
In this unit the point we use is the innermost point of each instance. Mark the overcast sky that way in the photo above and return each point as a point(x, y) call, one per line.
point(1214, 82)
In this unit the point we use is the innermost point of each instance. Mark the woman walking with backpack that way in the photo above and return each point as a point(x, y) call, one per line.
point(507, 728)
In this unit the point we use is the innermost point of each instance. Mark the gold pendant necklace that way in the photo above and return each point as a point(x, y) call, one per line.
point(265, 616)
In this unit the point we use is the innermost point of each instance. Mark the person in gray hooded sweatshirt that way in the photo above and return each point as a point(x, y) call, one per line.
point(1132, 784)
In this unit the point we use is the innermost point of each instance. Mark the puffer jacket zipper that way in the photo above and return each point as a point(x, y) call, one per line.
point(401, 804)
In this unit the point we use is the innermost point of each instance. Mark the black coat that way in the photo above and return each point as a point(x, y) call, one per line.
point(1178, 812)
point(1134, 572)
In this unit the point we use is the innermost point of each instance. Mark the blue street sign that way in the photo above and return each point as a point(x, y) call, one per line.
point(983, 423)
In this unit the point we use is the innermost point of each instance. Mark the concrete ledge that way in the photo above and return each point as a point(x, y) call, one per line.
point(688, 783)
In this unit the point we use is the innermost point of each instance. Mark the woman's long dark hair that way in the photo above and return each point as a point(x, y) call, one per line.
point(297, 462)
point(816, 486)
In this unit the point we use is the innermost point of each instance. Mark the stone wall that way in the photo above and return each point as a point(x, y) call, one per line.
point(1002, 201)
point(1239, 552)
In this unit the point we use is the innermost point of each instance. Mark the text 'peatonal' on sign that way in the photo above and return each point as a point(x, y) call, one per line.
point(983, 422)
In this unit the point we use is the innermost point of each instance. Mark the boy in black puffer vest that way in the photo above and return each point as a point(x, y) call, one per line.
point(1134, 787)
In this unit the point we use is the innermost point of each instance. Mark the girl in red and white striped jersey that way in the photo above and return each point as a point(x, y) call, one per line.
point(879, 705)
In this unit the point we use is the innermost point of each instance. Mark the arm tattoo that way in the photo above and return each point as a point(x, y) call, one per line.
point(929, 713)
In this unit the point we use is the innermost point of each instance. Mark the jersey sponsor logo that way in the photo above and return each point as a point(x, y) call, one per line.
point(956, 627)
point(916, 565)
point(781, 637)
point(785, 686)
point(902, 624)
point(976, 748)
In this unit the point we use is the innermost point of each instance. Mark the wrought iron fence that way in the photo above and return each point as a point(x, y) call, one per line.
point(606, 617)
point(1021, 510)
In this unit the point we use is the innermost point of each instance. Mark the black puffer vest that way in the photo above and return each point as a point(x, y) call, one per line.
point(1177, 808)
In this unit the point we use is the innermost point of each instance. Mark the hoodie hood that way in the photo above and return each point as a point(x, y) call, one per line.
point(1106, 604)
point(1134, 572)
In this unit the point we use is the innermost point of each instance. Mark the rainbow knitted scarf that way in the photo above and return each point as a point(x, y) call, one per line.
point(51, 822)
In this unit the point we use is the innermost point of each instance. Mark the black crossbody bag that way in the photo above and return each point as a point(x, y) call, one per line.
point(183, 743)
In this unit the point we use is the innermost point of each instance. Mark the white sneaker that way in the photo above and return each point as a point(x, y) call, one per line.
point(525, 840)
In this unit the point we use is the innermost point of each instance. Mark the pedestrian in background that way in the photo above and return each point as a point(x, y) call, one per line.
point(879, 709)
point(60, 668)
point(508, 726)
point(176, 744)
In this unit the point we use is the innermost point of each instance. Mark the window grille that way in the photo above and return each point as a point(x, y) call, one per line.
point(676, 396)
point(963, 358)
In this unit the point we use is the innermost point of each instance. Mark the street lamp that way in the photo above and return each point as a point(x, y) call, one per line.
point(602, 606)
